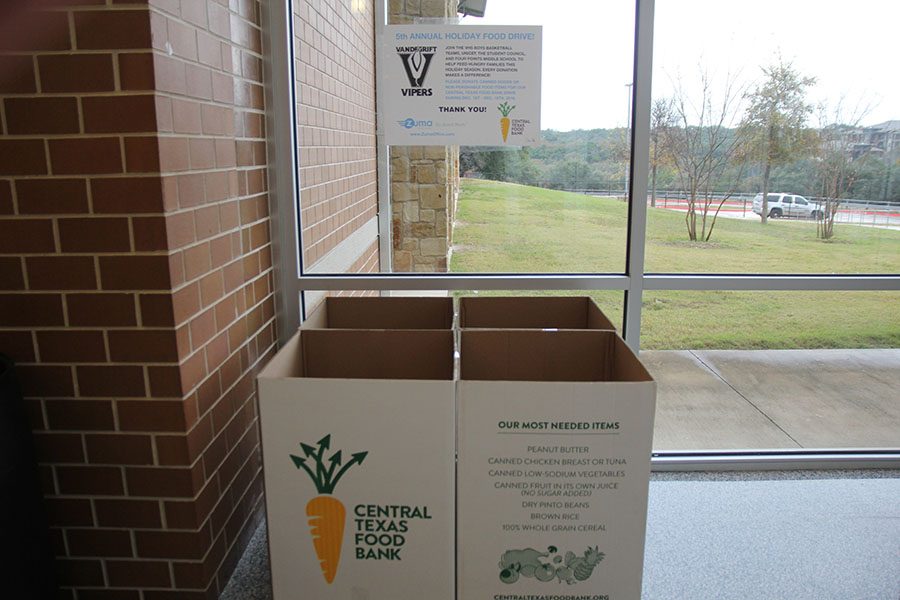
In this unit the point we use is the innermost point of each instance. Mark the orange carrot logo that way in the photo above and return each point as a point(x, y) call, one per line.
point(325, 512)
point(505, 109)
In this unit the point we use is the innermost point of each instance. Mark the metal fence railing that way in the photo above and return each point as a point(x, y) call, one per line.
point(873, 213)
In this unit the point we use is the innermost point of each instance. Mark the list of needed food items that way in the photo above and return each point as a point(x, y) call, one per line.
point(552, 491)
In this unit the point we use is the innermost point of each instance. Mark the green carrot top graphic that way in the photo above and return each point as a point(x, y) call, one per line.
point(326, 476)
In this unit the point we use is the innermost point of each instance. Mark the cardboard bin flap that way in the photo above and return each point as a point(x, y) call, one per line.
point(528, 355)
point(532, 312)
point(382, 313)
point(377, 354)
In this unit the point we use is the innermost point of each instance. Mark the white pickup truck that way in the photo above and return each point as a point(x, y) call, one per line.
point(787, 205)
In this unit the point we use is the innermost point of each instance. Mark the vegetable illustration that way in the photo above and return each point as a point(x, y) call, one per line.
point(544, 573)
point(505, 109)
point(325, 512)
point(531, 563)
point(579, 568)
point(525, 562)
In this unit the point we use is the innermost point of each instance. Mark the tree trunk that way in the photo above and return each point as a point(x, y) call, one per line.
point(765, 194)
point(691, 215)
point(830, 214)
point(653, 175)
point(820, 221)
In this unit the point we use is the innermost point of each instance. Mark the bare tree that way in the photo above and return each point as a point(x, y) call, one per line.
point(661, 118)
point(619, 149)
point(702, 145)
point(838, 169)
point(774, 125)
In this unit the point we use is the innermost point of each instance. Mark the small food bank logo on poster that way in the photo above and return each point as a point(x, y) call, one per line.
point(416, 60)
point(505, 109)
point(380, 530)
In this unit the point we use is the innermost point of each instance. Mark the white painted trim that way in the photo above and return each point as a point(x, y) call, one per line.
point(639, 170)
point(282, 168)
point(383, 156)
point(343, 256)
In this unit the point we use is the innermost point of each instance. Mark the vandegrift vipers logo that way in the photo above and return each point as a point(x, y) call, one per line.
point(416, 60)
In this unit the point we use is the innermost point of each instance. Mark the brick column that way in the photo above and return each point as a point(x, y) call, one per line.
point(136, 283)
point(424, 179)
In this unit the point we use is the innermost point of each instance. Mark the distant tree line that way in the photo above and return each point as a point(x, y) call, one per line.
point(581, 159)
point(715, 142)
point(566, 163)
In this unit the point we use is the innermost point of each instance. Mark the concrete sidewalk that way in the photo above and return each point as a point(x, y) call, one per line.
point(769, 399)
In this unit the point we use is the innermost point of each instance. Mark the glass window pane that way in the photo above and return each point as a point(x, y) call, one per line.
point(769, 370)
point(511, 228)
point(741, 105)
point(557, 207)
point(336, 143)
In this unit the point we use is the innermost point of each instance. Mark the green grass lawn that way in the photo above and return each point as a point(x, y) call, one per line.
point(504, 227)
point(508, 228)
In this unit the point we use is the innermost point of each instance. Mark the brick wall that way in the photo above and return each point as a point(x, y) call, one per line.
point(335, 49)
point(135, 281)
point(208, 65)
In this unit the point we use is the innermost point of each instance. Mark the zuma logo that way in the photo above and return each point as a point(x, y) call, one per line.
point(410, 123)
point(416, 60)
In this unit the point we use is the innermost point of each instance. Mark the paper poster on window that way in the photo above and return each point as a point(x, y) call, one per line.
point(447, 85)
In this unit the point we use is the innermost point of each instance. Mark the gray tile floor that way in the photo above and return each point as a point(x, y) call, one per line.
point(789, 535)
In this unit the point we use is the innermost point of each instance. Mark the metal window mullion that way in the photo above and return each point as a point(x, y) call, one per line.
point(282, 172)
point(686, 282)
point(832, 283)
point(383, 155)
point(397, 281)
point(639, 170)
point(782, 459)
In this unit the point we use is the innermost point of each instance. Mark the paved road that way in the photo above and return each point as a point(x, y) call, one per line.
point(880, 219)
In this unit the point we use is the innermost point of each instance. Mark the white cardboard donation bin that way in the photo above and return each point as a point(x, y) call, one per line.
point(358, 455)
point(554, 441)
point(532, 312)
point(412, 456)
